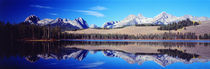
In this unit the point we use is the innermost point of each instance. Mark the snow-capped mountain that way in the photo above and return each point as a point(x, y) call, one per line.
point(162, 18)
point(110, 24)
point(65, 24)
point(32, 19)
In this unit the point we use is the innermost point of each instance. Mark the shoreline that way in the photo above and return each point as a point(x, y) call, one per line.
point(51, 40)
point(41, 40)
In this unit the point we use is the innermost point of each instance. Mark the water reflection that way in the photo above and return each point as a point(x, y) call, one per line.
point(163, 53)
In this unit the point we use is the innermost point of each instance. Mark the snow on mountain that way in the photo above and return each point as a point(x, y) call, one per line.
point(109, 24)
point(133, 20)
point(45, 21)
point(32, 19)
point(141, 19)
point(65, 24)
point(194, 18)
point(83, 24)
point(162, 18)
point(130, 20)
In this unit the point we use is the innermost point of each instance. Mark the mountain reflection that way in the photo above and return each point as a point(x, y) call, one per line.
point(163, 53)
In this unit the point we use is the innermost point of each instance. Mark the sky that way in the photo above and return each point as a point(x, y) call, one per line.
point(99, 11)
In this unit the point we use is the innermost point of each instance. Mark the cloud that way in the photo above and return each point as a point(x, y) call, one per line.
point(53, 14)
point(90, 12)
point(92, 65)
point(94, 11)
point(98, 8)
point(40, 6)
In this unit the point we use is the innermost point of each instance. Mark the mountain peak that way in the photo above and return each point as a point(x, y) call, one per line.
point(163, 15)
point(32, 19)
point(83, 23)
point(79, 19)
point(31, 16)
point(58, 18)
point(130, 17)
point(163, 12)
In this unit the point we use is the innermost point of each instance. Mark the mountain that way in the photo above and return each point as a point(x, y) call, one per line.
point(65, 24)
point(32, 19)
point(109, 24)
point(162, 18)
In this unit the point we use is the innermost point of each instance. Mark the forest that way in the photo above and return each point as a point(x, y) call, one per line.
point(178, 25)
point(139, 36)
point(27, 31)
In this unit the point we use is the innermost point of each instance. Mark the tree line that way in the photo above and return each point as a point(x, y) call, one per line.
point(178, 25)
point(163, 36)
point(28, 31)
point(205, 36)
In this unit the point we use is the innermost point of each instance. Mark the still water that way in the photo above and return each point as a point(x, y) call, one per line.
point(106, 54)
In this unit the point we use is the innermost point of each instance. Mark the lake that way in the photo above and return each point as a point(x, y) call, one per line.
point(106, 54)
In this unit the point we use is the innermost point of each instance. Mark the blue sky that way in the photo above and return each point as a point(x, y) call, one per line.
point(99, 11)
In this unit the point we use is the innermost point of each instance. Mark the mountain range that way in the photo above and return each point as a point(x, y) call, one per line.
point(65, 24)
point(162, 18)
point(79, 23)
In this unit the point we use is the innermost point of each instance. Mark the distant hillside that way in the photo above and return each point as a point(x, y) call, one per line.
point(130, 30)
point(201, 29)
